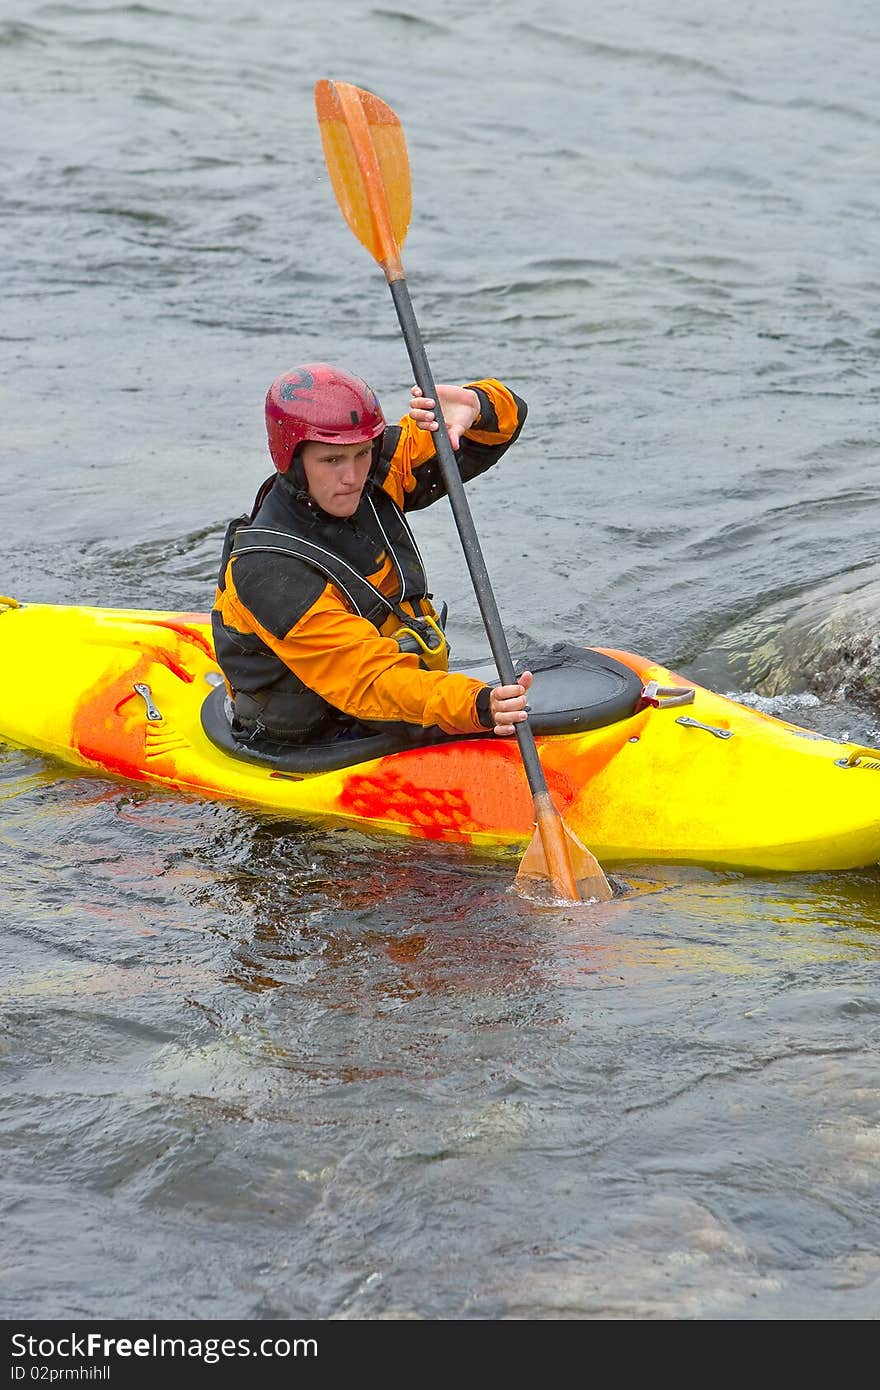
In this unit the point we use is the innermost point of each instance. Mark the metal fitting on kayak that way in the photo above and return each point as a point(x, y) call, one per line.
point(154, 715)
point(689, 723)
point(860, 757)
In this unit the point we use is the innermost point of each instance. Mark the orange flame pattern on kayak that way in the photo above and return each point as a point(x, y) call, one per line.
point(191, 634)
point(434, 812)
point(108, 722)
point(460, 791)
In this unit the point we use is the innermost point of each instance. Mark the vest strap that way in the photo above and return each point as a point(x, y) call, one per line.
point(365, 598)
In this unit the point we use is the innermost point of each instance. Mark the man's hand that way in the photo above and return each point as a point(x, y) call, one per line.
point(507, 703)
point(460, 406)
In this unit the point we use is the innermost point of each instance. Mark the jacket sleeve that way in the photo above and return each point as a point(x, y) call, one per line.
point(409, 468)
point(344, 659)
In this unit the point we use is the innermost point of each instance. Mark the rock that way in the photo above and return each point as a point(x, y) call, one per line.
point(827, 642)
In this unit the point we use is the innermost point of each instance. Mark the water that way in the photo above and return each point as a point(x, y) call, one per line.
point(256, 1069)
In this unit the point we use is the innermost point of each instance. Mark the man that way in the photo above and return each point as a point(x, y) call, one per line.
point(323, 623)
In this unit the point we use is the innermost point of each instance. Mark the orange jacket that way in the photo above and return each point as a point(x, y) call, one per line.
point(286, 610)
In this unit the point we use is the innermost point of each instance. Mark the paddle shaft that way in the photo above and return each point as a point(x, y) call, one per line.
point(366, 157)
point(464, 522)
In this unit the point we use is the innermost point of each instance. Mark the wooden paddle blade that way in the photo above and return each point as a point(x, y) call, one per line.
point(557, 865)
point(366, 155)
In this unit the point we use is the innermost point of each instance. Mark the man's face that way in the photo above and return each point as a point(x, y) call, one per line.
point(336, 473)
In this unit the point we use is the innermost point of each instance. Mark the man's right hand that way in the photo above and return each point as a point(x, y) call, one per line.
point(507, 705)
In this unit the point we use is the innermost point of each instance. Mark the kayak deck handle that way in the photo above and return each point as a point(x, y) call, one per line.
point(854, 759)
point(689, 723)
point(153, 714)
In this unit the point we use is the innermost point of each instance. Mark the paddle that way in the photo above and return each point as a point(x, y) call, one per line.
point(368, 163)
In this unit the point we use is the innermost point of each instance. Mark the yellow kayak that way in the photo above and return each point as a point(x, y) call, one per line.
point(644, 765)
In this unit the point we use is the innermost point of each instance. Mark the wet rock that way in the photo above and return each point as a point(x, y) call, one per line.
point(827, 642)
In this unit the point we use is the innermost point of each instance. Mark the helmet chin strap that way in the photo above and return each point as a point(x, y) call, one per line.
point(295, 477)
point(377, 454)
point(294, 482)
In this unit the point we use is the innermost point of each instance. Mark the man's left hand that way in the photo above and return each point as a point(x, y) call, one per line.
point(460, 406)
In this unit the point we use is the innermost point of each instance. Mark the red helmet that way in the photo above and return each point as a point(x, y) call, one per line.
point(319, 402)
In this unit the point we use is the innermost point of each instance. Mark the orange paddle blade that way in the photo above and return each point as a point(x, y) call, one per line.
point(366, 156)
point(557, 865)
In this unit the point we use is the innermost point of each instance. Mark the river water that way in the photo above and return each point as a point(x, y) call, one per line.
point(258, 1069)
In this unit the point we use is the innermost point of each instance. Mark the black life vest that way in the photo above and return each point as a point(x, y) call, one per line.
point(364, 598)
point(269, 699)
